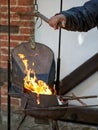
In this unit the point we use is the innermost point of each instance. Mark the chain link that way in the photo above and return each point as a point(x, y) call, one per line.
point(32, 38)
point(36, 5)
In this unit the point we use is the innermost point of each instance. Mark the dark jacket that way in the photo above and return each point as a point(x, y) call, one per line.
point(82, 18)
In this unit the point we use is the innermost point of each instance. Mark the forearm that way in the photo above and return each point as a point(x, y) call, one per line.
point(82, 18)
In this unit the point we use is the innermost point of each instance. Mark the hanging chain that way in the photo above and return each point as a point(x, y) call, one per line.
point(36, 5)
point(32, 38)
point(36, 10)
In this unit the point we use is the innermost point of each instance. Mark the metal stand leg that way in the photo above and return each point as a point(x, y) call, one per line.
point(0, 109)
point(53, 125)
point(23, 118)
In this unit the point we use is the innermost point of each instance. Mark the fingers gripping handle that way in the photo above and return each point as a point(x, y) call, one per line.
point(38, 14)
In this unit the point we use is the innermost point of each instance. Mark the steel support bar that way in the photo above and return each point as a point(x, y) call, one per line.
point(78, 75)
point(82, 115)
point(9, 81)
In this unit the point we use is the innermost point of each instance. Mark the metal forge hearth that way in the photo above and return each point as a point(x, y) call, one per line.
point(49, 106)
point(33, 71)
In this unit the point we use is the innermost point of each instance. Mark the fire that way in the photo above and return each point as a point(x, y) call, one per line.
point(32, 83)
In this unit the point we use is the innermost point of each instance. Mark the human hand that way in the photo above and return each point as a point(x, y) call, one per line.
point(57, 21)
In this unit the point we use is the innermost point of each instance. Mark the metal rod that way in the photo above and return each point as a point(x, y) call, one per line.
point(20, 123)
point(74, 98)
point(79, 100)
point(44, 18)
point(58, 59)
point(0, 81)
point(0, 108)
point(53, 125)
point(38, 14)
point(38, 109)
point(9, 83)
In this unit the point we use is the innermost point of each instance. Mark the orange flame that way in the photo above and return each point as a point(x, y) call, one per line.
point(32, 83)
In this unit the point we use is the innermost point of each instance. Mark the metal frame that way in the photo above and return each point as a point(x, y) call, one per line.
point(9, 76)
point(58, 59)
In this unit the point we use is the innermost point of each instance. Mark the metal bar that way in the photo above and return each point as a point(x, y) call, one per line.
point(0, 108)
point(83, 115)
point(21, 122)
point(55, 108)
point(53, 125)
point(38, 14)
point(74, 98)
point(44, 18)
point(9, 83)
point(79, 100)
point(58, 59)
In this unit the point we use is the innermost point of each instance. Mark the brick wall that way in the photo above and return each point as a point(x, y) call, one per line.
point(21, 20)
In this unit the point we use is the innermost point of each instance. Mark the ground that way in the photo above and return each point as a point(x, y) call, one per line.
point(30, 124)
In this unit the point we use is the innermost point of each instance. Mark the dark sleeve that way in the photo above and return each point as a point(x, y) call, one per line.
point(82, 18)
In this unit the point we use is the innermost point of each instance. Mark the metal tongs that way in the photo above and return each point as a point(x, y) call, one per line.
point(74, 97)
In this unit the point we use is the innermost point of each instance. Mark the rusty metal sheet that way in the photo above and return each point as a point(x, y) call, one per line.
point(44, 64)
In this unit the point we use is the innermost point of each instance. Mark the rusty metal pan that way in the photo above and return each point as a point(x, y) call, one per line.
point(54, 113)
